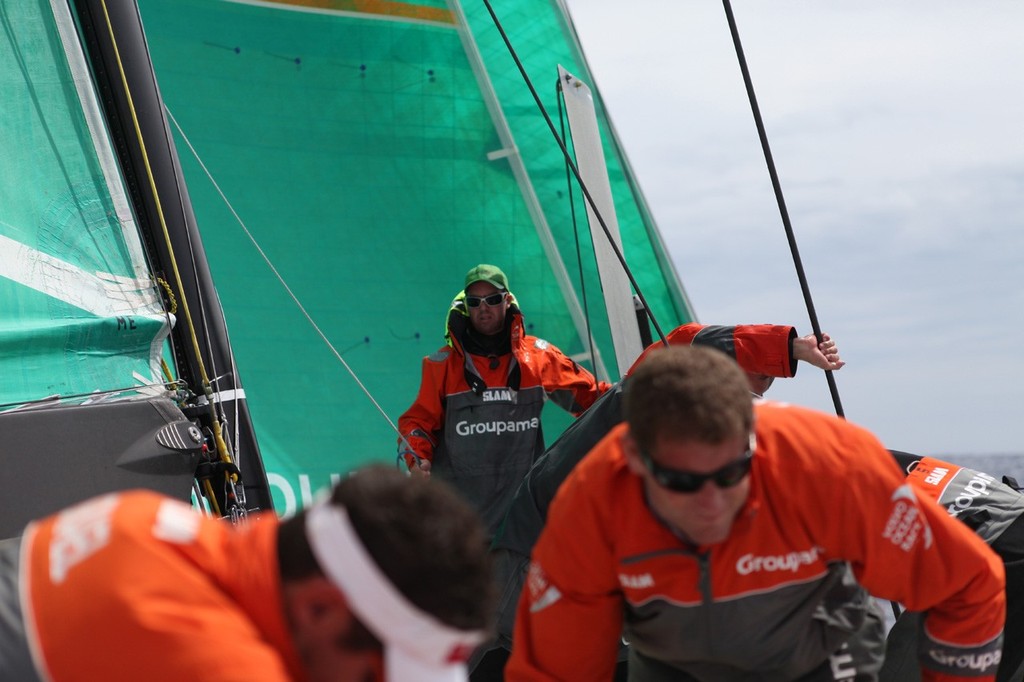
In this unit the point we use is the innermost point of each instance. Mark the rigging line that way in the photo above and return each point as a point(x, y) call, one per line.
point(280, 279)
point(779, 198)
point(575, 171)
point(207, 337)
point(777, 186)
point(57, 398)
point(221, 446)
point(575, 231)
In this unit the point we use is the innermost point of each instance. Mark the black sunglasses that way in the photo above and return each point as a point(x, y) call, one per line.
point(492, 300)
point(689, 482)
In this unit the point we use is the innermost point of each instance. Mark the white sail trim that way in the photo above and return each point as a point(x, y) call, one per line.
point(590, 161)
point(100, 293)
point(97, 130)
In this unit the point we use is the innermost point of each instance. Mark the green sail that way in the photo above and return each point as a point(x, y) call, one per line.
point(80, 313)
point(375, 151)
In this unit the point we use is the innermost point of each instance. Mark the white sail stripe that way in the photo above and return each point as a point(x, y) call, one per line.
point(99, 295)
point(97, 130)
point(369, 16)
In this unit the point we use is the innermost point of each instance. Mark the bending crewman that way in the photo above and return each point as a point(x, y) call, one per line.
point(732, 527)
point(389, 575)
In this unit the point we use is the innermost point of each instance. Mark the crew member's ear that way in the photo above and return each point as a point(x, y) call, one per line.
point(632, 452)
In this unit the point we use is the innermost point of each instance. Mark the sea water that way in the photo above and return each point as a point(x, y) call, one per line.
point(997, 465)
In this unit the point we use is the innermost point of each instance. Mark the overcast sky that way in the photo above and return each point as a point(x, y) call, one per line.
point(896, 129)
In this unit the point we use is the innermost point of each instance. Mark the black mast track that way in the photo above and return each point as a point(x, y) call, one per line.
point(118, 96)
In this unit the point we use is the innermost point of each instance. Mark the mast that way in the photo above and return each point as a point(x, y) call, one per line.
point(149, 162)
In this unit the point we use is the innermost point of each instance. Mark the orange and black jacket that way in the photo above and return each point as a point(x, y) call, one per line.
point(757, 348)
point(824, 493)
point(478, 419)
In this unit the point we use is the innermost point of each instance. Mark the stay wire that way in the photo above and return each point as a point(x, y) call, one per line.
point(279, 277)
point(779, 197)
point(575, 171)
point(575, 229)
point(785, 213)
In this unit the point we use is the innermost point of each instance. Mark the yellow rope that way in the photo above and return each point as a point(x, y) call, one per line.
point(170, 294)
point(222, 449)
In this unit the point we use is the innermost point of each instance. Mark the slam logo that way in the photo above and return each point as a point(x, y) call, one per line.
point(636, 581)
point(936, 475)
point(505, 395)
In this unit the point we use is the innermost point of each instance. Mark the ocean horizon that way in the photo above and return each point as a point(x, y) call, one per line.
point(997, 465)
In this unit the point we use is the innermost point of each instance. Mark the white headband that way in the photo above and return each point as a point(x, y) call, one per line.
point(417, 645)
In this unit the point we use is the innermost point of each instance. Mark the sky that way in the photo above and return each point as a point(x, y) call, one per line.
point(896, 132)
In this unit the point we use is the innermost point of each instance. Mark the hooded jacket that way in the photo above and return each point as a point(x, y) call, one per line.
point(477, 418)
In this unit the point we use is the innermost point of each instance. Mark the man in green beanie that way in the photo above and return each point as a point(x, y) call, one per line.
point(476, 419)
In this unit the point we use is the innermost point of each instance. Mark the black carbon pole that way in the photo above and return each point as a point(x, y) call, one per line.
point(779, 198)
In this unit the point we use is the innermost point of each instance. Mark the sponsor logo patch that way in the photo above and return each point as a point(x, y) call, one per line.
point(80, 532)
point(542, 593)
point(977, 487)
point(636, 581)
point(465, 428)
point(936, 475)
point(792, 561)
point(961, 662)
point(491, 395)
point(906, 525)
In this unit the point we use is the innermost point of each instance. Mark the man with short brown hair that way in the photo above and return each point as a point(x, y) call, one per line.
point(719, 550)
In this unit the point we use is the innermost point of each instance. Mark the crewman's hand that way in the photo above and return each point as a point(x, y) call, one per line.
point(824, 355)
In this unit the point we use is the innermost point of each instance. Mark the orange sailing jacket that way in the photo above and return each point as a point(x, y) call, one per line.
point(985, 504)
point(823, 492)
point(194, 600)
point(759, 348)
point(478, 419)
